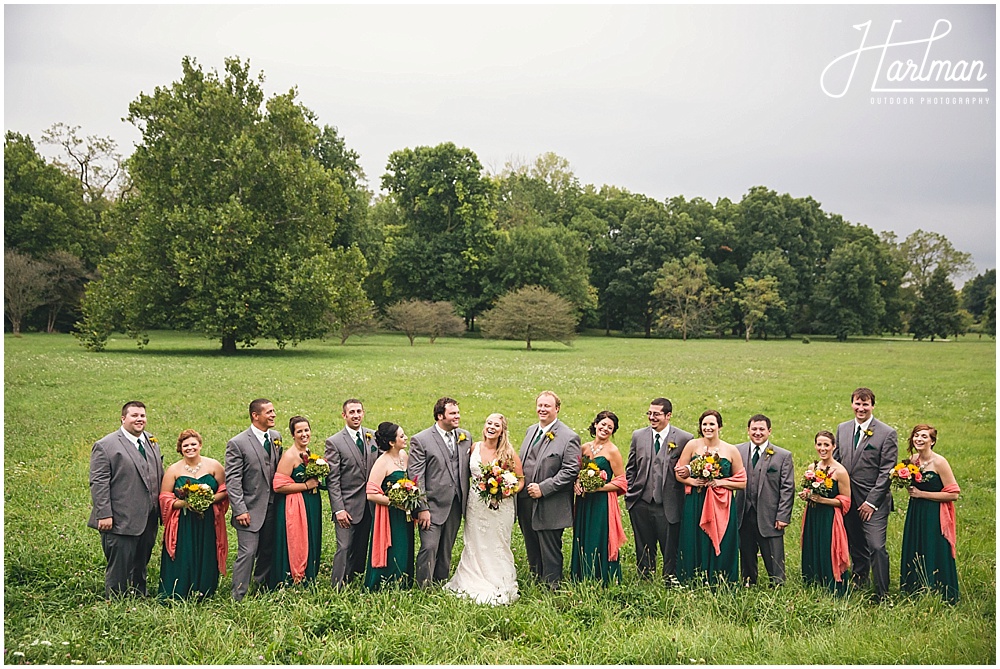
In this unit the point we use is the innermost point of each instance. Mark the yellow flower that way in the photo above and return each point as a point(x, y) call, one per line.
point(671, 445)
point(868, 433)
point(461, 437)
point(550, 435)
point(153, 440)
point(769, 451)
point(829, 483)
point(592, 465)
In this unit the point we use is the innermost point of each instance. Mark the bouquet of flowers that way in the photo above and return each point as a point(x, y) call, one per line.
point(591, 477)
point(494, 483)
point(818, 481)
point(316, 467)
point(404, 494)
point(905, 474)
point(199, 496)
point(706, 467)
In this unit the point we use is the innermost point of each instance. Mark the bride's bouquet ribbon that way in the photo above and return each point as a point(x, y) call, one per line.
point(715, 512)
point(170, 517)
point(381, 534)
point(948, 516)
point(296, 528)
point(616, 533)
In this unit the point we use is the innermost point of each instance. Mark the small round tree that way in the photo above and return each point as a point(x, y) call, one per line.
point(531, 313)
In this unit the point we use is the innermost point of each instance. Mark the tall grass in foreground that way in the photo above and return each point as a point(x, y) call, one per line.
point(60, 399)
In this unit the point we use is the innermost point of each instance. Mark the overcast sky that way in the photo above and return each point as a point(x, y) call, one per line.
point(660, 100)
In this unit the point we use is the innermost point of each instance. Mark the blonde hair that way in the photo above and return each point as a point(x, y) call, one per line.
point(505, 450)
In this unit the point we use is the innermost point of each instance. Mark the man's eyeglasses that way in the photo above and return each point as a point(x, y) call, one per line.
point(654, 414)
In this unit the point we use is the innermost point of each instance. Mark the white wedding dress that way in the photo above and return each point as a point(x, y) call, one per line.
point(486, 570)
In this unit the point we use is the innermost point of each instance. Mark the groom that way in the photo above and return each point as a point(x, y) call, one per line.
point(439, 463)
point(550, 455)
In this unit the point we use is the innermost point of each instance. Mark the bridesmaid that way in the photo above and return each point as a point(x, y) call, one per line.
point(825, 558)
point(390, 560)
point(597, 521)
point(929, 531)
point(709, 535)
point(298, 512)
point(195, 546)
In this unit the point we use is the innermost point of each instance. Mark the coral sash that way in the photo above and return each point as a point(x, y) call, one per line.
point(296, 528)
point(948, 517)
point(170, 516)
point(840, 556)
point(381, 534)
point(616, 533)
point(715, 511)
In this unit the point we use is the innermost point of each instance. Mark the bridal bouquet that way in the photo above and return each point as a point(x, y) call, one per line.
point(404, 494)
point(316, 467)
point(818, 481)
point(199, 496)
point(591, 476)
point(494, 483)
point(905, 474)
point(706, 467)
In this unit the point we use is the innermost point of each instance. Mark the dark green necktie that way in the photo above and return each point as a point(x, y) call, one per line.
point(267, 443)
point(656, 443)
point(142, 451)
point(857, 435)
point(360, 444)
point(756, 456)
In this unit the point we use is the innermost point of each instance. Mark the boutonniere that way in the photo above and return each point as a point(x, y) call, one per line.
point(550, 435)
point(277, 442)
point(369, 435)
point(153, 440)
point(671, 445)
point(769, 451)
point(461, 437)
point(868, 433)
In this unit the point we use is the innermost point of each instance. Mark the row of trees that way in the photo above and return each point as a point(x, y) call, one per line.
point(243, 218)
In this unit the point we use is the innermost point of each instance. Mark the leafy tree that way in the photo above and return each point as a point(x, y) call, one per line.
point(990, 313)
point(424, 317)
point(926, 251)
point(685, 295)
point(352, 225)
point(93, 161)
point(361, 321)
point(24, 284)
point(65, 276)
point(847, 298)
point(531, 313)
point(444, 322)
point(976, 292)
point(232, 220)
point(448, 238)
point(775, 264)
point(937, 310)
point(755, 297)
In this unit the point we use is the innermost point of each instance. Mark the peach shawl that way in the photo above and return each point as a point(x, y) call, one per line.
point(948, 517)
point(171, 515)
point(382, 533)
point(715, 511)
point(296, 528)
point(616, 533)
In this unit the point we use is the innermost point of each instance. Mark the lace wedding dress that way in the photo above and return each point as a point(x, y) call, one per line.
point(486, 571)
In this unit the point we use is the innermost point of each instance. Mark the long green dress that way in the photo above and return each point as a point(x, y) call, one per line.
point(398, 568)
point(927, 559)
point(817, 531)
point(281, 572)
point(194, 569)
point(696, 556)
point(590, 535)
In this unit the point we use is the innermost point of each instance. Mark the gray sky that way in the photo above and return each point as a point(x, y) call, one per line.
point(661, 100)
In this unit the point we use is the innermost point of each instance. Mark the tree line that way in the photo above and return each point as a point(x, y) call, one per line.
point(243, 218)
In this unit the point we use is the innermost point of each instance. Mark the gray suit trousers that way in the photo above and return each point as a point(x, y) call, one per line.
point(866, 543)
point(253, 547)
point(651, 532)
point(772, 551)
point(436, 542)
point(128, 557)
point(543, 547)
point(351, 557)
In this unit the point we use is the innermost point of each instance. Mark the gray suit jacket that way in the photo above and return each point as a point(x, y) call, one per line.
point(869, 464)
point(249, 475)
point(122, 486)
point(639, 465)
point(349, 471)
point(555, 469)
point(771, 485)
point(430, 465)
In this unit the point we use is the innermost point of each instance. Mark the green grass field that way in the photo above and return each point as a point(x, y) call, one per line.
point(59, 399)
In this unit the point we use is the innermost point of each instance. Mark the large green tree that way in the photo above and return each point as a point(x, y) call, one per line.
point(232, 221)
point(925, 252)
point(531, 313)
point(847, 298)
point(446, 204)
point(685, 296)
point(976, 292)
point(936, 313)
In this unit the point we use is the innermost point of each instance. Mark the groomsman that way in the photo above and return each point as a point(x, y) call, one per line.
point(251, 459)
point(764, 507)
point(439, 463)
point(550, 454)
point(126, 470)
point(655, 497)
point(350, 454)
point(867, 448)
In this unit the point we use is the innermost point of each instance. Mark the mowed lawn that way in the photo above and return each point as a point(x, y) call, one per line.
point(58, 399)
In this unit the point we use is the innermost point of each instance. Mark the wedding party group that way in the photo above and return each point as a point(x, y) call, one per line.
point(708, 509)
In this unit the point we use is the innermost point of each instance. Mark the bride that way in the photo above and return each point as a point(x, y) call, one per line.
point(486, 571)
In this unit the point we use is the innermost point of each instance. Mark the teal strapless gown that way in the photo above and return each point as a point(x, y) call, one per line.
point(194, 569)
point(817, 531)
point(926, 559)
point(590, 536)
point(696, 558)
point(398, 569)
point(281, 572)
